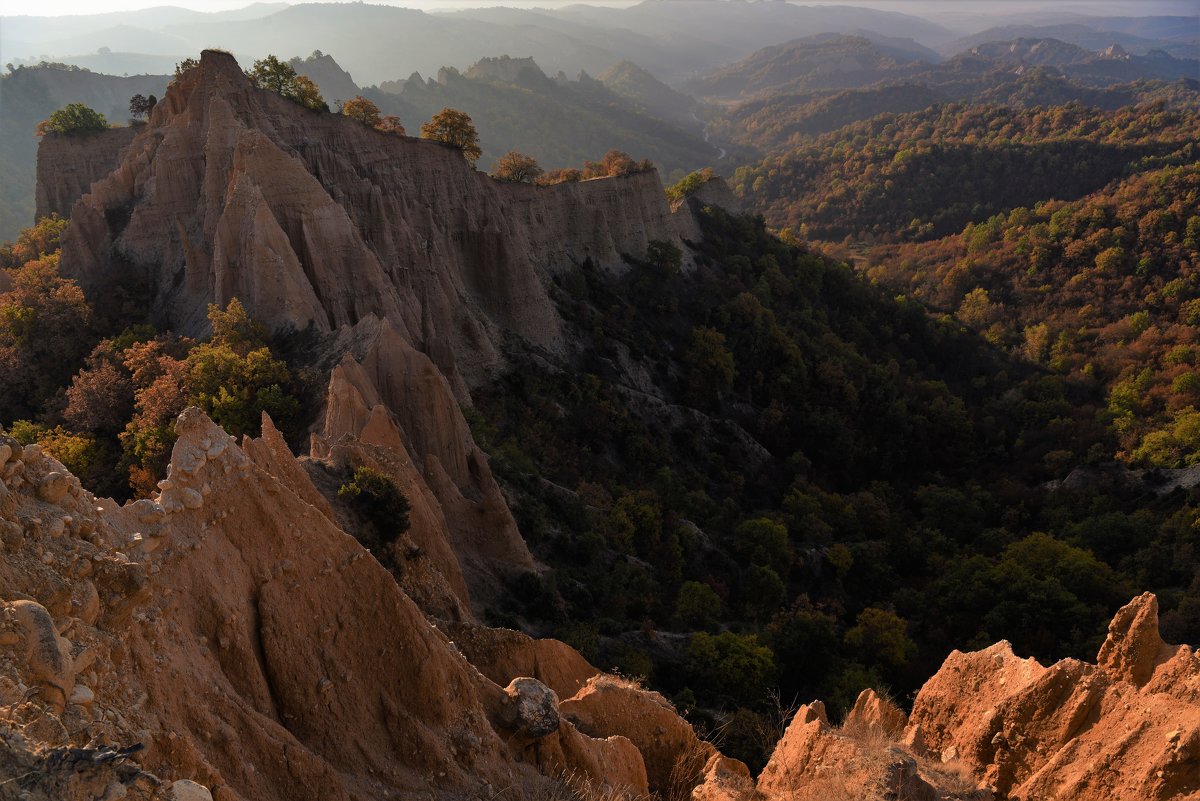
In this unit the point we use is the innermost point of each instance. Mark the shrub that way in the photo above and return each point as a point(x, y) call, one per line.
point(376, 498)
point(73, 118)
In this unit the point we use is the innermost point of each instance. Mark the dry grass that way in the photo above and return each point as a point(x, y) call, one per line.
point(687, 771)
point(576, 786)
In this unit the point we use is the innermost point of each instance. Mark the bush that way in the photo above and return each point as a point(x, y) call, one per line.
point(689, 184)
point(376, 498)
point(73, 118)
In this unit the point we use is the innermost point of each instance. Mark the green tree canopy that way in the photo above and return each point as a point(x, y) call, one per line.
point(73, 118)
point(280, 77)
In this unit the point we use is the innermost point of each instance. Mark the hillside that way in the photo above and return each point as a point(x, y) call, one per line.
point(560, 122)
point(828, 61)
point(31, 94)
point(648, 93)
point(926, 174)
point(1121, 316)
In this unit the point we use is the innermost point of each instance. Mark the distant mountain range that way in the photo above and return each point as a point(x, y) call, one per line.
point(559, 121)
point(672, 38)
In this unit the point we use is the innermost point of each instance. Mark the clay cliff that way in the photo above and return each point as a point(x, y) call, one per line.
point(233, 633)
point(409, 269)
point(990, 724)
point(69, 164)
point(232, 191)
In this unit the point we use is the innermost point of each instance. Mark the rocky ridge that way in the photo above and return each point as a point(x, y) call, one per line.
point(409, 269)
point(231, 634)
point(227, 639)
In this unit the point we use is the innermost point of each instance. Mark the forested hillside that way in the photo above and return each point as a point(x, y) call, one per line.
point(926, 174)
point(744, 453)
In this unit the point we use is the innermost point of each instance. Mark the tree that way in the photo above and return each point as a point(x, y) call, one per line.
point(234, 378)
point(73, 118)
point(377, 498)
point(185, 66)
point(711, 367)
point(391, 124)
point(281, 78)
point(689, 184)
point(698, 606)
point(517, 167)
point(454, 128)
point(45, 326)
point(363, 110)
point(140, 106)
point(273, 74)
point(307, 94)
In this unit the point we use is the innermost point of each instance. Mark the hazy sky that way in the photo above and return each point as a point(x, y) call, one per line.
point(923, 7)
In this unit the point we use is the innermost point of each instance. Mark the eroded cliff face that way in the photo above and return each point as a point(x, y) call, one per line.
point(68, 165)
point(313, 219)
point(991, 724)
point(411, 269)
point(247, 643)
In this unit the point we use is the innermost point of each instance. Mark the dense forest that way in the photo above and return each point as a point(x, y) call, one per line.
point(735, 483)
point(926, 174)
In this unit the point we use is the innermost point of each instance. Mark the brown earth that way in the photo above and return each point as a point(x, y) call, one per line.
point(236, 632)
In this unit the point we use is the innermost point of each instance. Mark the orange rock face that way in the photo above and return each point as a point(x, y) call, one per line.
point(1127, 728)
point(234, 630)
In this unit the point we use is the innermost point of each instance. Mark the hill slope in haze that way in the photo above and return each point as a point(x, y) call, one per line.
point(560, 122)
point(31, 94)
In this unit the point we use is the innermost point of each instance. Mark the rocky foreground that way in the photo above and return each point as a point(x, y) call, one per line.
point(229, 638)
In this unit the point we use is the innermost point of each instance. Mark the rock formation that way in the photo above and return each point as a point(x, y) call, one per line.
point(990, 723)
point(409, 268)
point(232, 191)
point(1126, 728)
point(235, 637)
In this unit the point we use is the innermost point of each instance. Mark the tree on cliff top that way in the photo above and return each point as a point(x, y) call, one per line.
point(454, 128)
point(363, 110)
point(281, 78)
point(73, 118)
point(517, 167)
point(140, 106)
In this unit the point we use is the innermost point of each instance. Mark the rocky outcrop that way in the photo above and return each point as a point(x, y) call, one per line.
point(68, 165)
point(1127, 728)
point(396, 412)
point(228, 639)
point(409, 269)
point(231, 191)
point(677, 760)
point(861, 760)
point(992, 723)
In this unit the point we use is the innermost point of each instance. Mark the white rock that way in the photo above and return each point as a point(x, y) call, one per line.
point(188, 790)
point(53, 487)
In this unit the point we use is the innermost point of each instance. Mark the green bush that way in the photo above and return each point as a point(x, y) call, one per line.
point(73, 118)
point(376, 498)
